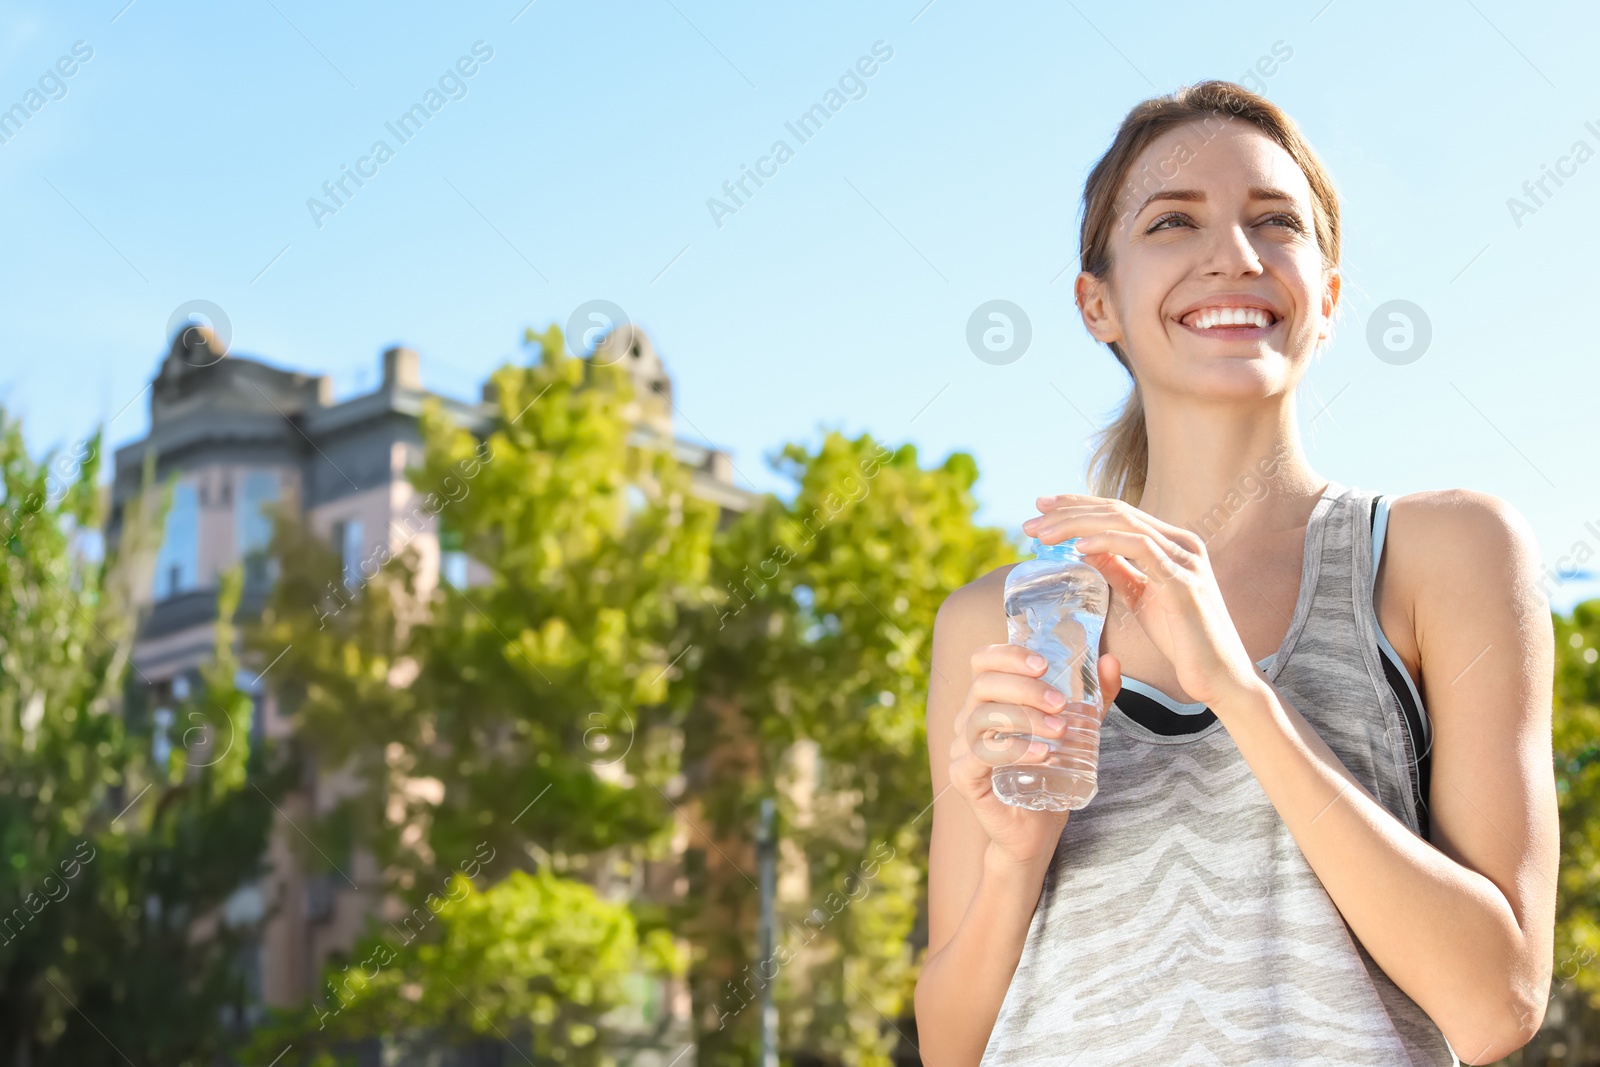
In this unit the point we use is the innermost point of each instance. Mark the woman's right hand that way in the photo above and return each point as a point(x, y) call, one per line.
point(1008, 694)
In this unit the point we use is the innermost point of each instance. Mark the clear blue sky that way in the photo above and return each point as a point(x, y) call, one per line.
point(176, 164)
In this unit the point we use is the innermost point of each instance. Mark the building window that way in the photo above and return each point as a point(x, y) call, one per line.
point(254, 525)
point(177, 568)
point(347, 543)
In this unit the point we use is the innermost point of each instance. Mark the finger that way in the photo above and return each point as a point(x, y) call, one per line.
point(974, 777)
point(1153, 558)
point(1001, 733)
point(1003, 687)
point(1070, 520)
point(1110, 670)
point(1013, 749)
point(1000, 727)
point(994, 663)
point(1180, 535)
point(1064, 499)
point(1060, 521)
point(998, 670)
point(1124, 578)
point(1008, 657)
point(1096, 515)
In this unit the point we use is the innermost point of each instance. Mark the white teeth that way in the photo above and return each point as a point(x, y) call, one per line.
point(1229, 316)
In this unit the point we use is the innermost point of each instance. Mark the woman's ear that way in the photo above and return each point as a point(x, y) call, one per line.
point(1330, 300)
point(1094, 303)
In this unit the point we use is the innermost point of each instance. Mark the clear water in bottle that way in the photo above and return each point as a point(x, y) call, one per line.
point(1056, 606)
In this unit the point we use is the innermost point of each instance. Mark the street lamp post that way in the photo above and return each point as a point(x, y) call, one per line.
point(767, 854)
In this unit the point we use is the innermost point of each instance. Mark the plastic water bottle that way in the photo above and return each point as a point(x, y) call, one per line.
point(1056, 606)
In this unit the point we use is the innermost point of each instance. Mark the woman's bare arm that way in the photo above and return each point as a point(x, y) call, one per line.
point(988, 859)
point(980, 904)
point(1464, 924)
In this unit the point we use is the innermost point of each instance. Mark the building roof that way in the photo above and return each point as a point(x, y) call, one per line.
point(211, 406)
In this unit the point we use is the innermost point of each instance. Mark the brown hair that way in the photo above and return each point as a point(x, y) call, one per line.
point(1121, 457)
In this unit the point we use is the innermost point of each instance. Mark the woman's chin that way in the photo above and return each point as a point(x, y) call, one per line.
point(1237, 376)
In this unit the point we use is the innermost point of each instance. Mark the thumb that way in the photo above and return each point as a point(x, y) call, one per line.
point(1110, 678)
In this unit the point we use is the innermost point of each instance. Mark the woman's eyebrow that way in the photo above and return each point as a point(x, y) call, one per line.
point(1198, 196)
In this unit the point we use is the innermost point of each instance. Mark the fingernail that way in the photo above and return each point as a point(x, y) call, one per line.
point(1036, 662)
point(1055, 698)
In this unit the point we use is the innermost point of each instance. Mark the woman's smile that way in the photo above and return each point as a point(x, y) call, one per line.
point(1231, 317)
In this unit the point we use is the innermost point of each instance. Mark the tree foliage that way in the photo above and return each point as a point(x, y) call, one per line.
point(522, 712)
point(536, 959)
point(1576, 740)
point(813, 663)
point(113, 862)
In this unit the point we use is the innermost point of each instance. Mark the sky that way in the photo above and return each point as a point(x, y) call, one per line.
point(578, 152)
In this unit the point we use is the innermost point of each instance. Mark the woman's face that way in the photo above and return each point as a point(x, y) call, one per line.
point(1216, 284)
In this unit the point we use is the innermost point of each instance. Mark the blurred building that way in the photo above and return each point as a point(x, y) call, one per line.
point(240, 433)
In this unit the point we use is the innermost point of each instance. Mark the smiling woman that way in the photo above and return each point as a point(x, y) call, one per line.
point(1310, 842)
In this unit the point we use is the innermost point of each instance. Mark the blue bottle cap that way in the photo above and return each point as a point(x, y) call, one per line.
point(1066, 550)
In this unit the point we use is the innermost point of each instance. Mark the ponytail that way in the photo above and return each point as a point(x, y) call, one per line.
point(1122, 453)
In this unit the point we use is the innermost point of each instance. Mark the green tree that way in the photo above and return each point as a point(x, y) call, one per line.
point(113, 863)
point(1576, 740)
point(817, 646)
point(1572, 1025)
point(537, 959)
point(523, 712)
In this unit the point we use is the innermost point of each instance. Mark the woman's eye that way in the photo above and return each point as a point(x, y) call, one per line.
point(1288, 221)
point(1161, 223)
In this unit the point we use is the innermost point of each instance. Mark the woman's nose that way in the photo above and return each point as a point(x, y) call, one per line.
point(1231, 252)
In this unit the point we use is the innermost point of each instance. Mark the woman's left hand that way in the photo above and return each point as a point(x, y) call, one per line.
point(1163, 575)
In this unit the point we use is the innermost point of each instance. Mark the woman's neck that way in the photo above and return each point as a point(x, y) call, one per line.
point(1225, 471)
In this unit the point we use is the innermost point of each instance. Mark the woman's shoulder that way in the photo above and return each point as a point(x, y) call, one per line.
point(1443, 530)
point(974, 614)
point(1445, 547)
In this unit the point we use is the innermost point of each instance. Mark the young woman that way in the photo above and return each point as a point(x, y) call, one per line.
point(1326, 825)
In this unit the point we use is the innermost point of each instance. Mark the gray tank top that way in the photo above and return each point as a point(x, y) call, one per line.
point(1179, 921)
